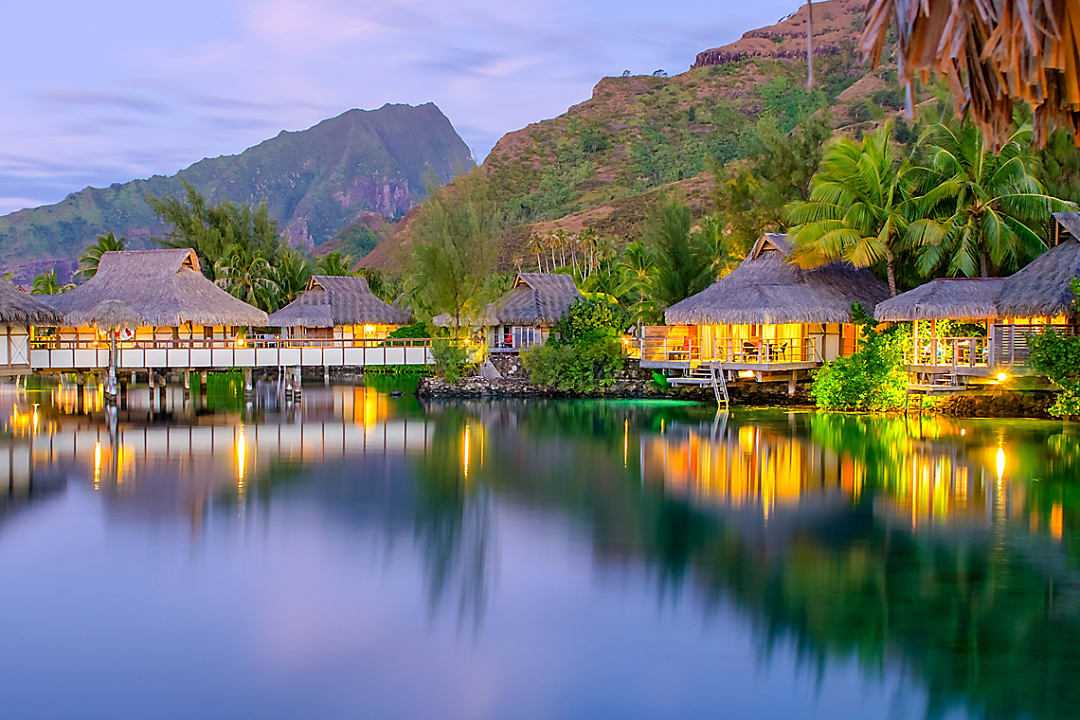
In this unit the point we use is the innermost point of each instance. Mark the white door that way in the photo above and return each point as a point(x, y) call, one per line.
point(20, 349)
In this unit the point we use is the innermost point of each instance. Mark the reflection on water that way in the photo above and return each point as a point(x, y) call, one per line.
point(543, 559)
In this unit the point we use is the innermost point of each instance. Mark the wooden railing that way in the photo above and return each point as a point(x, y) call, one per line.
point(1009, 348)
point(659, 347)
point(58, 354)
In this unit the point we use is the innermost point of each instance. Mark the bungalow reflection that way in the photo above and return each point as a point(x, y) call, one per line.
point(186, 465)
point(923, 473)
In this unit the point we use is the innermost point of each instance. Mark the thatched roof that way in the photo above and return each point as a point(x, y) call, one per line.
point(106, 314)
point(330, 301)
point(767, 289)
point(944, 299)
point(163, 287)
point(992, 54)
point(1042, 289)
point(537, 299)
point(18, 308)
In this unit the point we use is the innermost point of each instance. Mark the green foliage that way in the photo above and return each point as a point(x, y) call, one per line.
point(395, 378)
point(980, 211)
point(588, 365)
point(778, 168)
point(357, 240)
point(291, 273)
point(91, 257)
point(858, 207)
point(416, 330)
point(451, 359)
point(788, 102)
point(584, 353)
point(335, 264)
point(660, 381)
point(589, 317)
point(453, 249)
point(47, 284)
point(680, 263)
point(873, 379)
point(388, 288)
point(1058, 358)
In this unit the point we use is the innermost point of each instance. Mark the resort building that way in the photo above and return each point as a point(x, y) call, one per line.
point(524, 316)
point(339, 308)
point(156, 304)
point(20, 312)
point(976, 331)
point(768, 320)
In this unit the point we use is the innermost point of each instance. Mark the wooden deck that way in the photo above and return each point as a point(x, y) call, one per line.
point(227, 354)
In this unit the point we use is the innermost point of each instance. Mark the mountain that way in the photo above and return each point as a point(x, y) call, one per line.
point(315, 182)
point(603, 162)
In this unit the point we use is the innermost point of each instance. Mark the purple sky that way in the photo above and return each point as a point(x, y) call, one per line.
point(105, 92)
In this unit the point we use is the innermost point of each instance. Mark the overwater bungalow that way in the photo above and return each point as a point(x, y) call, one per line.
point(339, 308)
point(20, 312)
point(976, 331)
point(156, 302)
point(768, 320)
point(524, 316)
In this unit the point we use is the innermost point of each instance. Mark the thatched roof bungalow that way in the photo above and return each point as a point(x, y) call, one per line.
point(524, 316)
point(997, 314)
point(164, 288)
point(19, 312)
point(767, 314)
point(339, 307)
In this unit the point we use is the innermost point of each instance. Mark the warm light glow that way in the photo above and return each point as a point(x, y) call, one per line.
point(746, 374)
point(1002, 377)
point(465, 452)
point(241, 463)
point(97, 466)
point(1000, 463)
point(626, 442)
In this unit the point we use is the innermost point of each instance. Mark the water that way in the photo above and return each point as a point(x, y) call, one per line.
point(364, 556)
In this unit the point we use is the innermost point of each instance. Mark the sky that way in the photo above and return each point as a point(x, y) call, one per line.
point(102, 92)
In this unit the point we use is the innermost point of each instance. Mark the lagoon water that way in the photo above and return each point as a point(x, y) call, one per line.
point(365, 556)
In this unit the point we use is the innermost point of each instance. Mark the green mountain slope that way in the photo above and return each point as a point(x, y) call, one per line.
point(603, 162)
point(315, 182)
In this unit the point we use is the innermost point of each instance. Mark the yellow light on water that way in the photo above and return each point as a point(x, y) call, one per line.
point(241, 463)
point(97, 466)
point(1000, 463)
point(1002, 377)
point(465, 452)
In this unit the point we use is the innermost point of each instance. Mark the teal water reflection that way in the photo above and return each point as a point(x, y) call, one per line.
point(363, 555)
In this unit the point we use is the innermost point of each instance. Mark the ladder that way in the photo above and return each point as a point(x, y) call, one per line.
point(719, 386)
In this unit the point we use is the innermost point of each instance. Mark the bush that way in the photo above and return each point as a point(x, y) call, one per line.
point(451, 359)
point(416, 330)
point(584, 353)
point(1058, 358)
point(873, 379)
point(585, 366)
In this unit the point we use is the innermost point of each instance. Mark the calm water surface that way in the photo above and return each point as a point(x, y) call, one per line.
point(362, 556)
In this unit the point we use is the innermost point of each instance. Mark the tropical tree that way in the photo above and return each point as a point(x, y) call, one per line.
point(635, 267)
point(292, 271)
point(245, 273)
point(980, 212)
point(679, 264)
point(215, 231)
point(454, 235)
point(47, 284)
point(334, 263)
point(857, 207)
point(91, 257)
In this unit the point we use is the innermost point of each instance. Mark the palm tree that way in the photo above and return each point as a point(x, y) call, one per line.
point(247, 275)
point(857, 207)
point(88, 261)
point(981, 212)
point(635, 270)
point(679, 268)
point(291, 274)
point(47, 284)
point(334, 263)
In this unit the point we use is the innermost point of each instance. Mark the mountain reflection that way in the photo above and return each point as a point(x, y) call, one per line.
point(943, 548)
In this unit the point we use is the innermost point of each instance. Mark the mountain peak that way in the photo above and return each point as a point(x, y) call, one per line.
point(314, 181)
